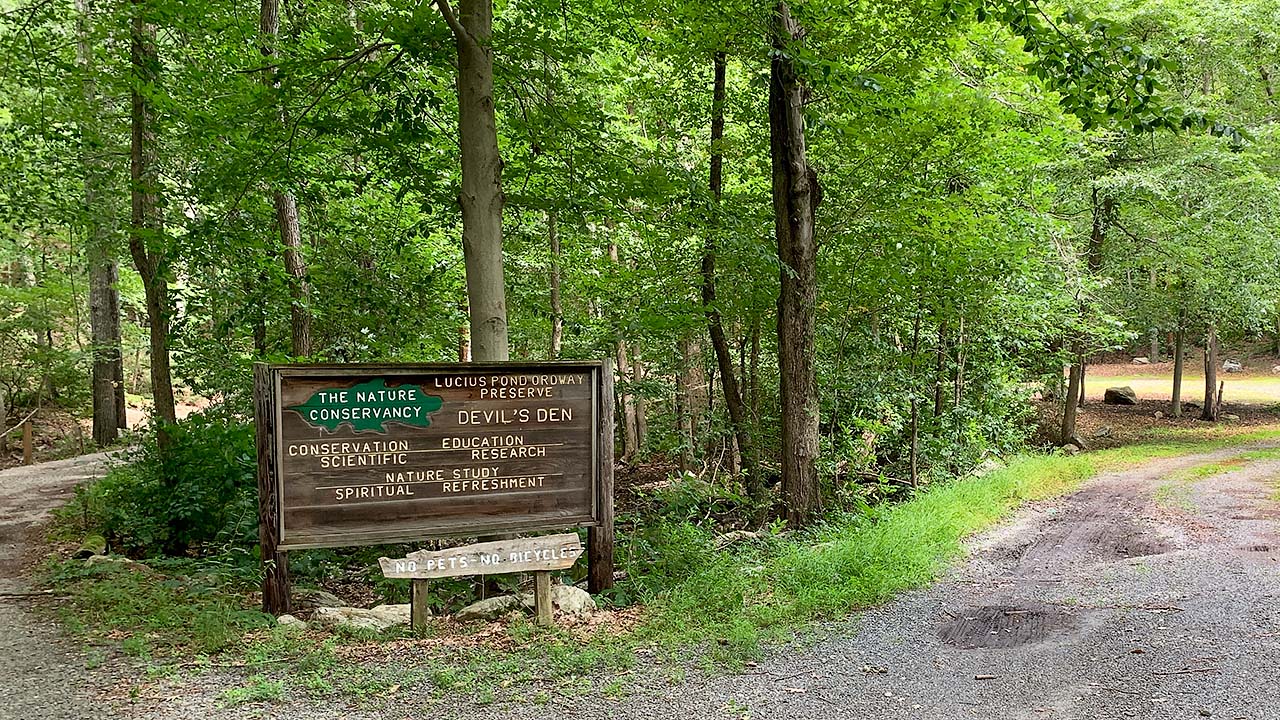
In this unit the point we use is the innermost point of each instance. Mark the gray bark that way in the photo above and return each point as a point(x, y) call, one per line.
point(481, 198)
point(1179, 351)
point(796, 195)
point(107, 380)
point(146, 231)
point(557, 312)
point(1210, 409)
point(286, 205)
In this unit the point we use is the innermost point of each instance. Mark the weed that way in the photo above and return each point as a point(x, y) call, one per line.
point(258, 688)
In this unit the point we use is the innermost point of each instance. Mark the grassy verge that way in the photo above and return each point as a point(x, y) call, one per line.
point(719, 605)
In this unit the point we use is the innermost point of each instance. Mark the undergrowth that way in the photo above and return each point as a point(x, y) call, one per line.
point(719, 606)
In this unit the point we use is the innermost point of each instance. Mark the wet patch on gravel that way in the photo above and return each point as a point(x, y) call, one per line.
point(1005, 626)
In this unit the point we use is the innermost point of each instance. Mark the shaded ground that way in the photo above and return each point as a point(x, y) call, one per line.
point(44, 675)
point(1150, 593)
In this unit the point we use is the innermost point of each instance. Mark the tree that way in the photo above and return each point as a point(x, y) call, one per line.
point(796, 195)
point(481, 195)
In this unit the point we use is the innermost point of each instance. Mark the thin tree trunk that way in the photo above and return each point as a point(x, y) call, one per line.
point(915, 405)
point(753, 381)
point(146, 232)
point(1071, 402)
point(642, 422)
point(104, 297)
point(1179, 351)
point(796, 195)
point(557, 312)
point(1210, 409)
point(715, 327)
point(286, 205)
point(481, 198)
point(940, 370)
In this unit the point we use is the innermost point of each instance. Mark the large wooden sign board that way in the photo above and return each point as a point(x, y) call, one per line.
point(372, 454)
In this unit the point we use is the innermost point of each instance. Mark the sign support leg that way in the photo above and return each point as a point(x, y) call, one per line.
point(418, 610)
point(542, 596)
point(276, 595)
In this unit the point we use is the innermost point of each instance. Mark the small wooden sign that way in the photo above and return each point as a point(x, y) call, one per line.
point(548, 552)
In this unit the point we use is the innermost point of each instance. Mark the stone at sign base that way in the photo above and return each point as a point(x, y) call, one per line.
point(380, 617)
point(566, 599)
point(1120, 396)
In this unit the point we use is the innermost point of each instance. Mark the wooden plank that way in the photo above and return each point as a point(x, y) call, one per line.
point(544, 553)
point(542, 597)
point(600, 537)
point(276, 594)
point(418, 610)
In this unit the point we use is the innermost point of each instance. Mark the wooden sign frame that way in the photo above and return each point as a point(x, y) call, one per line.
point(277, 540)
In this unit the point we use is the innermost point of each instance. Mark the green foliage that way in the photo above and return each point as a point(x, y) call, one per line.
point(199, 490)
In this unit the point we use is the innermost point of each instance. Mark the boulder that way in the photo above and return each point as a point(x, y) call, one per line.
point(380, 617)
point(92, 545)
point(1103, 432)
point(490, 608)
point(1141, 361)
point(1120, 396)
point(290, 621)
point(570, 600)
point(733, 537)
point(115, 561)
point(1275, 369)
point(1230, 417)
point(1232, 366)
point(1158, 415)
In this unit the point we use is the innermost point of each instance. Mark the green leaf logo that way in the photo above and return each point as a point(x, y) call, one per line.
point(369, 406)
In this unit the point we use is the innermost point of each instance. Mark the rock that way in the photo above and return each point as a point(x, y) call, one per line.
point(290, 621)
point(1230, 416)
point(1141, 361)
point(1103, 432)
point(92, 545)
point(490, 608)
point(1159, 414)
point(1071, 449)
point(1275, 369)
point(114, 560)
point(1120, 396)
point(1232, 366)
point(312, 599)
point(989, 465)
point(734, 537)
point(570, 600)
point(380, 617)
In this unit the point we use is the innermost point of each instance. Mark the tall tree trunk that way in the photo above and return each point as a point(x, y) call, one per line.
point(1210, 409)
point(796, 195)
point(940, 370)
point(104, 298)
point(557, 312)
point(626, 397)
point(715, 327)
point(285, 203)
point(481, 198)
point(146, 231)
point(1179, 352)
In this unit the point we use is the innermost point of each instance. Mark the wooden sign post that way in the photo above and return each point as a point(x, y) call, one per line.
point(377, 454)
point(539, 555)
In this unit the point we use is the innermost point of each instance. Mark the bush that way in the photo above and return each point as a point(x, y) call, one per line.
point(199, 490)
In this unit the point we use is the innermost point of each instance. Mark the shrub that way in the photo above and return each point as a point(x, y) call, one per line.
point(198, 490)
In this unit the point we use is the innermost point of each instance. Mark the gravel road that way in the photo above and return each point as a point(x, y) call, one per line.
point(1143, 595)
point(43, 675)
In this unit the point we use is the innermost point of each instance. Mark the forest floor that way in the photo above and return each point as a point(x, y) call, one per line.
point(1152, 591)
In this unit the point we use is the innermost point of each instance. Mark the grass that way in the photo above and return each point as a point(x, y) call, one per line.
point(702, 606)
point(1261, 389)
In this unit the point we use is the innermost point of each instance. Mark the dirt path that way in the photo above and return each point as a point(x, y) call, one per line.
point(43, 675)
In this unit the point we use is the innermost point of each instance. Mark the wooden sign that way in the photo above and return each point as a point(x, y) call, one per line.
point(548, 552)
point(374, 454)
